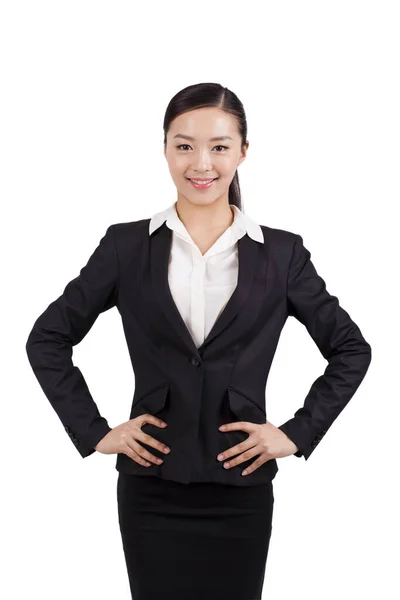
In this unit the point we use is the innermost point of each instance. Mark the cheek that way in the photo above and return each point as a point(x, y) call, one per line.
point(177, 166)
point(179, 163)
point(226, 167)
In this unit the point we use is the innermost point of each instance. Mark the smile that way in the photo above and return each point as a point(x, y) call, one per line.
point(202, 185)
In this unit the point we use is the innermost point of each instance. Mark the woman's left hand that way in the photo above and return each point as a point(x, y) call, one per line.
point(265, 441)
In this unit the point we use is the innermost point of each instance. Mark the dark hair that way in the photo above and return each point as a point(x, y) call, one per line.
point(200, 95)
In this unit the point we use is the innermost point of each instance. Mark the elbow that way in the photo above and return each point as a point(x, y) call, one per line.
point(366, 351)
point(360, 349)
point(364, 357)
point(29, 345)
point(368, 354)
point(32, 344)
point(353, 359)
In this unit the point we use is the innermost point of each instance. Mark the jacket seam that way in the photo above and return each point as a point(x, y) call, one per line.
point(117, 259)
point(161, 385)
point(247, 397)
point(290, 263)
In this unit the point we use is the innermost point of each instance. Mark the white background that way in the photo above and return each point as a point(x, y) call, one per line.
point(84, 88)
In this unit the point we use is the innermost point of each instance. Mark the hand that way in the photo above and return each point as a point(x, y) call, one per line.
point(265, 441)
point(122, 440)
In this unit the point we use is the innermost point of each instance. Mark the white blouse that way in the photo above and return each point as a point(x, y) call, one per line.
point(201, 285)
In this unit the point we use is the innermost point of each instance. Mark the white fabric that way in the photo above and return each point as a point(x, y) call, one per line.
point(201, 285)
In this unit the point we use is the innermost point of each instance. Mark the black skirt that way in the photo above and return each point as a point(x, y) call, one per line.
point(194, 541)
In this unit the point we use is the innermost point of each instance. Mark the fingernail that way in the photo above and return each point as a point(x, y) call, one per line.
point(221, 457)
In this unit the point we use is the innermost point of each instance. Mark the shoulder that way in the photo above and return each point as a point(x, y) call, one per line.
point(129, 227)
point(129, 234)
point(280, 239)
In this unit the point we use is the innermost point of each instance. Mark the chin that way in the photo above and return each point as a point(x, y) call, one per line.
point(205, 201)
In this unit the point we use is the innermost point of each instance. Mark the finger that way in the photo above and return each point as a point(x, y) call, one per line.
point(242, 458)
point(126, 449)
point(150, 441)
point(241, 447)
point(146, 418)
point(257, 463)
point(143, 454)
point(245, 425)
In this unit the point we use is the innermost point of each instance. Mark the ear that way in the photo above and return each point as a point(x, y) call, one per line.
point(243, 153)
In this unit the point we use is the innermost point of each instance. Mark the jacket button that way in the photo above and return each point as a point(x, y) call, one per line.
point(195, 361)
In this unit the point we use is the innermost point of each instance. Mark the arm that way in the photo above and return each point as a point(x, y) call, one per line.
point(63, 324)
point(340, 342)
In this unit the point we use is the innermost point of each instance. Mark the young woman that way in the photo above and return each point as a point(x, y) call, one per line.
point(203, 292)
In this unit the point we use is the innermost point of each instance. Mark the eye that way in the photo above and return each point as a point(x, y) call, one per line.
point(181, 145)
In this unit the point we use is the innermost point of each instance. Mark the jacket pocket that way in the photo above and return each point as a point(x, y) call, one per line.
point(241, 408)
point(244, 407)
point(152, 402)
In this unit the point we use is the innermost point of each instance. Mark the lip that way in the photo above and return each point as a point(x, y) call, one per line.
point(202, 178)
point(202, 186)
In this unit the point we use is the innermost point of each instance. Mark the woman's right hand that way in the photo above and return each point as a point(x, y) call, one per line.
point(124, 439)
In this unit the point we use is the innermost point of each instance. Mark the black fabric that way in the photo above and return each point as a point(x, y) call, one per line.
point(195, 390)
point(196, 541)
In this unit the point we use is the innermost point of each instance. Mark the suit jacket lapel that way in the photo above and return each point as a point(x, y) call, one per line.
point(249, 252)
point(247, 257)
point(160, 247)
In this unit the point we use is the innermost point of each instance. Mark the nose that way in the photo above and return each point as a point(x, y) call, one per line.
point(202, 161)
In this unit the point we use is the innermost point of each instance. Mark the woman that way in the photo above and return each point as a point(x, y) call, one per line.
point(203, 292)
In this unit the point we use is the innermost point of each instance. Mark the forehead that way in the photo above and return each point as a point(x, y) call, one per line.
point(204, 123)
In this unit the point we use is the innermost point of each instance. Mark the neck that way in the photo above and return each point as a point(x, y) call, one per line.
point(205, 218)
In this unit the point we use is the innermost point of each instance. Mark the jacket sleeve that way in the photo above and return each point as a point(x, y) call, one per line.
point(340, 342)
point(63, 324)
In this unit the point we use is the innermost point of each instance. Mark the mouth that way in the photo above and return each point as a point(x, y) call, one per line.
point(202, 184)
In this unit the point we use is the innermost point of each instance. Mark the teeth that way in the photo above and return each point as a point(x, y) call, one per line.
point(201, 181)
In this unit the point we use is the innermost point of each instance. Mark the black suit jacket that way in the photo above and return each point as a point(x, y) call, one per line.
point(195, 390)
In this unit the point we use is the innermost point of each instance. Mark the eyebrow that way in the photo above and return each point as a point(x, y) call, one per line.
point(213, 139)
